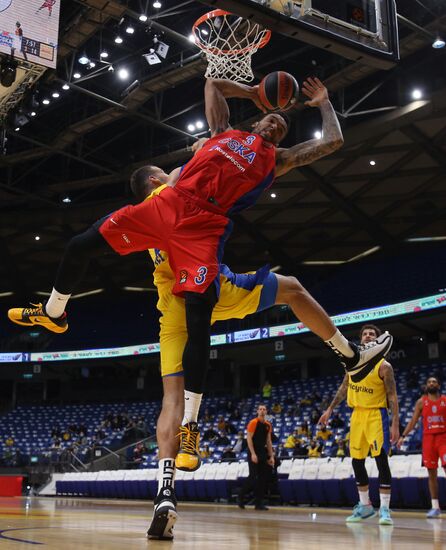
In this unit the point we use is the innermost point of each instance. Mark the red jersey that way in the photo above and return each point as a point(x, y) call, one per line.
point(230, 172)
point(434, 415)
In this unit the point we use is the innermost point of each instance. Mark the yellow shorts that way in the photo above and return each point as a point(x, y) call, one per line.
point(240, 295)
point(369, 432)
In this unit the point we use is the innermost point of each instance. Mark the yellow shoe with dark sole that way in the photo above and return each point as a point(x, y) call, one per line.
point(29, 316)
point(188, 458)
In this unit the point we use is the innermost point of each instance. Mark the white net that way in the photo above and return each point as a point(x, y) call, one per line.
point(229, 42)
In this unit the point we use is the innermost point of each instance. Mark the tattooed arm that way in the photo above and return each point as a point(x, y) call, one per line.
point(341, 394)
point(314, 149)
point(386, 373)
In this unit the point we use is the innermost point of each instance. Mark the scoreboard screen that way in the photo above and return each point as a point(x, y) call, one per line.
point(29, 30)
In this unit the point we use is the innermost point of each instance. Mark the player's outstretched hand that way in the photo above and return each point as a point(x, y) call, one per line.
point(323, 420)
point(315, 90)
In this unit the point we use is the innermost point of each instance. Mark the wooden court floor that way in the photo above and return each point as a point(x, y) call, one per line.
point(81, 524)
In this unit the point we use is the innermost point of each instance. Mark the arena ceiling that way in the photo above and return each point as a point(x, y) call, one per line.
point(70, 164)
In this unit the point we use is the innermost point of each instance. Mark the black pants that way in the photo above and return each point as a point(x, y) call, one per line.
point(257, 481)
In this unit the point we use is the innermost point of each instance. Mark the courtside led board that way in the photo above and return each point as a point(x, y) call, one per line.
point(29, 30)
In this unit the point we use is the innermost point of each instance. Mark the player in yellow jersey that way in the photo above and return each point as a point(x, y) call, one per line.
point(370, 393)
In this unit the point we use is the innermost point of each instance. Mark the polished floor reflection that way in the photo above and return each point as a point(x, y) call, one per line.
point(81, 524)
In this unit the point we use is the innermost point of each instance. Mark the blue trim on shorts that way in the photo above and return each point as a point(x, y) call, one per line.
point(247, 281)
point(180, 373)
point(221, 246)
point(386, 429)
point(269, 292)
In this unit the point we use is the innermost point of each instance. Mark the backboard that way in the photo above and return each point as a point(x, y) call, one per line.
point(361, 30)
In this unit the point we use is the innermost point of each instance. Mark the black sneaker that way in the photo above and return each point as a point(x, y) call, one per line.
point(366, 356)
point(164, 515)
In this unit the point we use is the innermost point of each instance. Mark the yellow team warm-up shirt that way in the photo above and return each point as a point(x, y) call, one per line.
point(370, 393)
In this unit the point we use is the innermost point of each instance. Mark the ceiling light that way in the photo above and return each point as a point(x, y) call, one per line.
point(143, 17)
point(191, 128)
point(318, 134)
point(77, 75)
point(118, 40)
point(103, 54)
point(372, 162)
point(92, 65)
point(66, 199)
point(33, 113)
point(16, 129)
point(205, 32)
point(157, 4)
point(129, 30)
point(55, 95)
point(123, 74)
point(65, 87)
point(37, 238)
point(417, 94)
point(273, 195)
point(191, 38)
point(438, 43)
point(199, 124)
point(83, 59)
point(46, 101)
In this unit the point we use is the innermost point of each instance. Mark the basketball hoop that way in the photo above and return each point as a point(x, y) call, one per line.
point(229, 41)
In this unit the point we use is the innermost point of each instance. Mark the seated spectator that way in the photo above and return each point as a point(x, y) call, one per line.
point(230, 428)
point(315, 415)
point(276, 408)
point(66, 436)
point(300, 451)
point(342, 450)
point(303, 429)
point(221, 424)
point(141, 427)
point(207, 416)
point(9, 441)
point(235, 415)
point(210, 435)
point(138, 454)
point(240, 444)
point(337, 422)
point(291, 440)
point(323, 433)
point(55, 432)
point(228, 454)
point(315, 449)
point(83, 438)
point(267, 390)
point(222, 439)
point(306, 401)
point(205, 452)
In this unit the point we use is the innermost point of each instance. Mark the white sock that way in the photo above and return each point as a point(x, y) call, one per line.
point(338, 342)
point(435, 504)
point(384, 499)
point(55, 306)
point(166, 473)
point(192, 402)
point(364, 497)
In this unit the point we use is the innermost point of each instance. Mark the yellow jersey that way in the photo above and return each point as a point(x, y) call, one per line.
point(369, 393)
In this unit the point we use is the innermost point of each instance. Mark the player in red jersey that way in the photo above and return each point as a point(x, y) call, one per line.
point(432, 407)
point(47, 4)
point(191, 223)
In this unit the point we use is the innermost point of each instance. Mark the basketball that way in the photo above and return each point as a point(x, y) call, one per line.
point(278, 91)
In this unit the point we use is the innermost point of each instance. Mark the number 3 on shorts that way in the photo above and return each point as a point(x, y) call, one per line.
point(201, 277)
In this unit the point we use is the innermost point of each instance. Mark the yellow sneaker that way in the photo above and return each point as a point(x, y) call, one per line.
point(188, 458)
point(36, 315)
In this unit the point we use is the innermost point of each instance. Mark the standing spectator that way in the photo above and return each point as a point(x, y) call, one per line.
point(240, 444)
point(323, 433)
point(9, 441)
point(266, 390)
point(260, 458)
point(276, 408)
point(221, 424)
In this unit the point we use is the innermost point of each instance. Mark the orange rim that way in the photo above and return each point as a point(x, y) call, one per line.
point(219, 13)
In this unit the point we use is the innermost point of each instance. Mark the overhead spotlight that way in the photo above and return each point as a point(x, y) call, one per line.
point(143, 17)
point(66, 200)
point(77, 75)
point(123, 74)
point(205, 32)
point(129, 29)
point(16, 129)
point(37, 238)
point(190, 128)
point(46, 101)
point(91, 65)
point(83, 59)
point(103, 54)
point(199, 124)
point(372, 163)
point(55, 95)
point(438, 43)
point(110, 68)
point(8, 72)
point(191, 38)
point(33, 113)
point(65, 87)
point(157, 4)
point(273, 195)
point(318, 134)
point(417, 94)
point(118, 40)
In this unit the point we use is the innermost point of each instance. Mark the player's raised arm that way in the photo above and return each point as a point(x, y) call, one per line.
point(216, 91)
point(413, 421)
point(314, 149)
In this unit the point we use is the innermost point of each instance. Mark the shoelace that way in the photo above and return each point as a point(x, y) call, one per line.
point(36, 310)
point(188, 440)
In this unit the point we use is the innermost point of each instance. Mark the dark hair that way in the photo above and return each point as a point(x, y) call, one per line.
point(139, 181)
point(435, 378)
point(370, 327)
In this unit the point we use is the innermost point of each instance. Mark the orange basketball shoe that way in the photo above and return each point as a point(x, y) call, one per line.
point(36, 315)
point(188, 458)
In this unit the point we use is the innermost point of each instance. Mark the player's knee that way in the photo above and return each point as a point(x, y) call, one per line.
point(289, 288)
point(360, 471)
point(384, 473)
